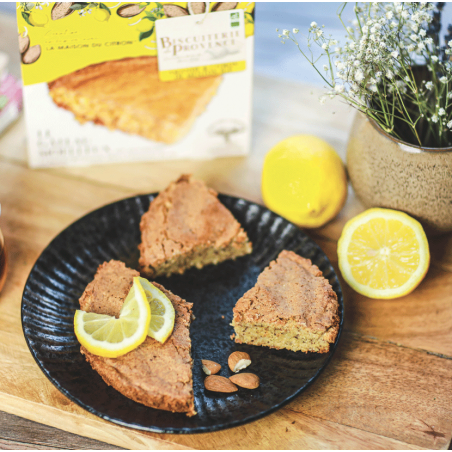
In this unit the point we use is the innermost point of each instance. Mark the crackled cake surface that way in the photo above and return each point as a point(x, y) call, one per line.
point(291, 306)
point(187, 226)
point(154, 374)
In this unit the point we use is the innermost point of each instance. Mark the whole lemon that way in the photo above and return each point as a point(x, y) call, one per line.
point(102, 15)
point(304, 180)
point(145, 25)
point(38, 18)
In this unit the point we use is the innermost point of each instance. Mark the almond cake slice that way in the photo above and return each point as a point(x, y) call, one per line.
point(154, 374)
point(128, 95)
point(292, 306)
point(187, 226)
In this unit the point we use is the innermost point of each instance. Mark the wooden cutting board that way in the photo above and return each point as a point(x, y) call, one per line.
point(389, 384)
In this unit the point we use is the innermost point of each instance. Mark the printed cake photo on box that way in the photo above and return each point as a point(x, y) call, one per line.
point(110, 82)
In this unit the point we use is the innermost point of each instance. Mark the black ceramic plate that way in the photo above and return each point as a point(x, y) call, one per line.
point(69, 263)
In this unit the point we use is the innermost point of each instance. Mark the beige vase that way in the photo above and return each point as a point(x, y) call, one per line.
point(386, 172)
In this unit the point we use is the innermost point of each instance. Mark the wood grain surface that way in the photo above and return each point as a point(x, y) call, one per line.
point(389, 384)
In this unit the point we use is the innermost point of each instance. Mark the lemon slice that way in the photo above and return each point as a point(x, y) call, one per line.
point(107, 336)
point(383, 253)
point(163, 315)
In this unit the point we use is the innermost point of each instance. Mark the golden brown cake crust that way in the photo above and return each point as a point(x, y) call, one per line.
point(183, 217)
point(128, 95)
point(154, 374)
point(291, 288)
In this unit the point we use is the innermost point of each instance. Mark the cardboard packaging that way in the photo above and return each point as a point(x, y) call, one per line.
point(111, 82)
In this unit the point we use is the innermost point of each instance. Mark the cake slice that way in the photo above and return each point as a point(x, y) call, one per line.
point(292, 306)
point(154, 374)
point(187, 226)
point(128, 95)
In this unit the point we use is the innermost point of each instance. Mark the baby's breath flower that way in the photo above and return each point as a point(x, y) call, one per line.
point(339, 88)
point(422, 33)
point(443, 79)
point(285, 32)
point(325, 67)
point(434, 119)
point(441, 112)
point(313, 24)
point(359, 75)
point(435, 58)
point(449, 124)
point(429, 85)
point(295, 31)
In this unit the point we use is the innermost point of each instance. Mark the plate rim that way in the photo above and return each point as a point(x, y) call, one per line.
point(183, 430)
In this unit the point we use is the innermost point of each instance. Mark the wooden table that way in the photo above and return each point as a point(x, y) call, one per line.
point(389, 384)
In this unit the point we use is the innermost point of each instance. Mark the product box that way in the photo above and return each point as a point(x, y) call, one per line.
point(109, 82)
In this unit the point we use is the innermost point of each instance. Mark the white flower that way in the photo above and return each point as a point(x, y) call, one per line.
point(365, 29)
point(449, 124)
point(434, 58)
point(322, 99)
point(285, 32)
point(429, 85)
point(389, 15)
point(340, 66)
point(339, 88)
point(441, 112)
point(319, 33)
point(450, 95)
point(349, 29)
point(407, 79)
point(405, 14)
point(443, 79)
point(359, 76)
point(395, 54)
point(373, 88)
point(314, 24)
point(295, 31)
point(429, 40)
point(325, 67)
point(393, 24)
point(325, 46)
point(422, 33)
point(414, 37)
point(410, 48)
point(389, 74)
point(351, 45)
point(435, 118)
point(421, 46)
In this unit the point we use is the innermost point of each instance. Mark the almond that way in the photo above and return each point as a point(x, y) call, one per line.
point(217, 383)
point(224, 6)
point(210, 367)
point(24, 43)
point(31, 55)
point(246, 380)
point(174, 10)
point(238, 361)
point(196, 7)
point(61, 9)
point(130, 10)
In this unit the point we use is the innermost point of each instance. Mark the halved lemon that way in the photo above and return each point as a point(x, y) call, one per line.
point(383, 253)
point(107, 336)
point(162, 311)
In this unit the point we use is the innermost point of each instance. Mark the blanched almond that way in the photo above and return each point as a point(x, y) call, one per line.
point(238, 361)
point(218, 383)
point(210, 367)
point(246, 380)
